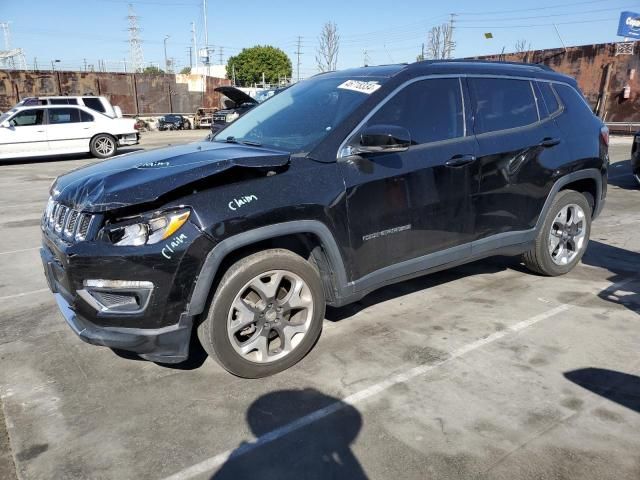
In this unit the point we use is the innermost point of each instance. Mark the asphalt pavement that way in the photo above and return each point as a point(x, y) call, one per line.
point(484, 371)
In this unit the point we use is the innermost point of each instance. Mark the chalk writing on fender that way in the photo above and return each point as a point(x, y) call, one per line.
point(169, 249)
point(236, 203)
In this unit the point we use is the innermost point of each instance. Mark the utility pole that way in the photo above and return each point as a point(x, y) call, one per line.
point(206, 29)
point(221, 55)
point(365, 59)
point(124, 65)
point(298, 53)
point(35, 63)
point(233, 69)
point(451, 45)
point(190, 56)
point(85, 64)
point(166, 60)
point(194, 42)
point(422, 54)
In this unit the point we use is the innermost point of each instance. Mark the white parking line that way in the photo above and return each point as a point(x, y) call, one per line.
point(212, 463)
point(18, 251)
point(24, 293)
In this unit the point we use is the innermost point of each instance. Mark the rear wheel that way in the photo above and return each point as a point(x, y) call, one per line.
point(265, 315)
point(564, 236)
point(103, 146)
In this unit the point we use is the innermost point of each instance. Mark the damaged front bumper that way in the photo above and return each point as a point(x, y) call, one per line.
point(163, 345)
point(126, 298)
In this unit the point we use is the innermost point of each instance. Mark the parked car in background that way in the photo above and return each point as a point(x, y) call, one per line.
point(635, 157)
point(99, 104)
point(42, 130)
point(236, 103)
point(342, 184)
point(174, 122)
point(204, 117)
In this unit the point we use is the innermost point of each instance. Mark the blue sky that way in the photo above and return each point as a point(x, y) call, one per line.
point(72, 30)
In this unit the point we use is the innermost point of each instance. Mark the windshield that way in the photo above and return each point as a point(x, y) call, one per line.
point(301, 116)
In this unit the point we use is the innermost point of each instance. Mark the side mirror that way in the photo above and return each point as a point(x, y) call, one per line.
point(5, 124)
point(383, 138)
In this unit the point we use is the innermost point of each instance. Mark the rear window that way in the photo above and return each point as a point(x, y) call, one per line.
point(501, 104)
point(94, 104)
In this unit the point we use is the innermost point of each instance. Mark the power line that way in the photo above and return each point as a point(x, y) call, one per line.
point(600, 20)
point(573, 14)
point(557, 5)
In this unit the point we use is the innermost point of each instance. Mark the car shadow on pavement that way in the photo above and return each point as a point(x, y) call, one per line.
point(618, 387)
point(490, 265)
point(300, 434)
point(624, 264)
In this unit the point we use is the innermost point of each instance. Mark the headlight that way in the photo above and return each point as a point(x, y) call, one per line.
point(149, 230)
point(231, 117)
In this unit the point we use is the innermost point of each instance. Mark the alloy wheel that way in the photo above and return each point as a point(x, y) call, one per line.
point(270, 316)
point(567, 235)
point(105, 146)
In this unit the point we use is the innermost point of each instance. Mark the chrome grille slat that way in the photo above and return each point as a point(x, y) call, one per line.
point(67, 223)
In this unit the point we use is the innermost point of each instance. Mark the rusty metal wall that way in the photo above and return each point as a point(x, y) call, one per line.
point(588, 64)
point(135, 94)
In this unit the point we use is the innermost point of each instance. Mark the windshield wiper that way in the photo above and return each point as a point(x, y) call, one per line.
point(232, 139)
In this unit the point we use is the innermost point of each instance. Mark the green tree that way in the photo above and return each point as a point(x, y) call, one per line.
point(249, 65)
point(152, 70)
point(185, 71)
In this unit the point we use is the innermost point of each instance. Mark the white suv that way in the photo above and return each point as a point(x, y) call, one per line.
point(33, 131)
point(99, 104)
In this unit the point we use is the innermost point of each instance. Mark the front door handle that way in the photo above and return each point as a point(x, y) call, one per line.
point(460, 160)
point(549, 142)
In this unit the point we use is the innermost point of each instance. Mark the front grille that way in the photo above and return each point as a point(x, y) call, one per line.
point(67, 223)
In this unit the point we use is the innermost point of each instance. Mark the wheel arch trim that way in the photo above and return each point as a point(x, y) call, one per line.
point(586, 174)
point(214, 259)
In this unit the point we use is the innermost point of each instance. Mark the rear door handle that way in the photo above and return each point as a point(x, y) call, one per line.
point(549, 142)
point(460, 160)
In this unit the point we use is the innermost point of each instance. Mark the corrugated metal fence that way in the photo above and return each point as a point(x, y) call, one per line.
point(135, 94)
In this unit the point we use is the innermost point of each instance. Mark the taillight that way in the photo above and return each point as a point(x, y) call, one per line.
point(604, 133)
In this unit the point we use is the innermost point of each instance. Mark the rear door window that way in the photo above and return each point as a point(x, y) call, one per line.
point(86, 117)
point(94, 104)
point(501, 104)
point(63, 115)
point(431, 110)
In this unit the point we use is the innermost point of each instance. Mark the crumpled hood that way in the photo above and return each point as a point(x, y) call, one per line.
point(144, 177)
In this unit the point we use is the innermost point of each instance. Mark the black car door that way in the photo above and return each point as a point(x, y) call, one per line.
point(405, 205)
point(520, 145)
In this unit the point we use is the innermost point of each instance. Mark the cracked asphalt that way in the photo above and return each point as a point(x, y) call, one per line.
point(484, 371)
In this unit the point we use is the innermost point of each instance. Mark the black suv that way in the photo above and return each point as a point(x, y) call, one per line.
point(340, 185)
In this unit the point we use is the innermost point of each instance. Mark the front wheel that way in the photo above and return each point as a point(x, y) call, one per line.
point(103, 146)
point(265, 315)
point(563, 238)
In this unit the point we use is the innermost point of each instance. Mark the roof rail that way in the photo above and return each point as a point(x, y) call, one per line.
point(516, 64)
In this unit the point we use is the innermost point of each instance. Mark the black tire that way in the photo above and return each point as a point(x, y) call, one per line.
point(539, 259)
point(99, 146)
point(213, 331)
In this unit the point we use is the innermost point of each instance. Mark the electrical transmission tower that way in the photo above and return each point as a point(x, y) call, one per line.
point(298, 53)
point(11, 57)
point(135, 42)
